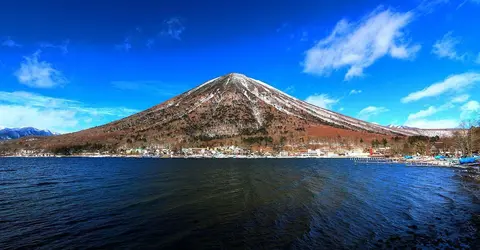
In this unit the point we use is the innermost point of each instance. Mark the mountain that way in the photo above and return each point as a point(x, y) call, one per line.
point(229, 110)
point(447, 132)
point(15, 133)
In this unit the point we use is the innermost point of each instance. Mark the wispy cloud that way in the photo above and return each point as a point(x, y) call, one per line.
point(423, 113)
point(432, 124)
point(125, 46)
point(453, 83)
point(304, 36)
point(20, 109)
point(62, 46)
point(419, 119)
point(39, 74)
point(420, 116)
point(322, 100)
point(171, 28)
point(150, 42)
point(370, 111)
point(174, 28)
point(35, 100)
point(283, 27)
point(461, 98)
point(470, 110)
point(149, 87)
point(355, 92)
point(357, 45)
point(467, 1)
point(478, 59)
point(290, 89)
point(8, 42)
point(428, 6)
point(446, 47)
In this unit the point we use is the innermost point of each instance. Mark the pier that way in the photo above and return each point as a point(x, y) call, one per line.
point(412, 162)
point(374, 160)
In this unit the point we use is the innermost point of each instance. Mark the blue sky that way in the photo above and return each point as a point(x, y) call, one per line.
point(70, 65)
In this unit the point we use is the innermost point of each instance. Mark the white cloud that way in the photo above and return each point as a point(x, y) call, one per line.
point(322, 100)
point(370, 111)
point(14, 116)
point(173, 28)
point(420, 116)
point(354, 92)
point(39, 74)
point(470, 109)
point(461, 98)
point(453, 83)
point(358, 45)
point(20, 109)
point(478, 59)
point(423, 113)
point(8, 42)
point(432, 124)
point(445, 47)
point(403, 52)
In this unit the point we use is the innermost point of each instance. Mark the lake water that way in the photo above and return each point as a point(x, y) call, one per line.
point(57, 203)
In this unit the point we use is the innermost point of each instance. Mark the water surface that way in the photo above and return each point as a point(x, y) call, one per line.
point(56, 203)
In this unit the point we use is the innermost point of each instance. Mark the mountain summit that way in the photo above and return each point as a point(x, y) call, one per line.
point(228, 110)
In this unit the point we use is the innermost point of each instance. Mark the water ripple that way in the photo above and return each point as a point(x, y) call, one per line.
point(177, 204)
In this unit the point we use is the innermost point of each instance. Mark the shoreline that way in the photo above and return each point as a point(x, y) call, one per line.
point(178, 157)
point(355, 159)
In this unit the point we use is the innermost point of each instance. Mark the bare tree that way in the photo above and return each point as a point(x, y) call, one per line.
point(468, 138)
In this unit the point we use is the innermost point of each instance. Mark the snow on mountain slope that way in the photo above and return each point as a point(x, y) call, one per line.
point(257, 91)
point(426, 132)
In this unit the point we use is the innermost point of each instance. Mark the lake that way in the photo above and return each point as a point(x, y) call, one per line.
point(57, 203)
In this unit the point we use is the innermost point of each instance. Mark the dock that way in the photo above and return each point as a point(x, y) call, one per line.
point(412, 162)
point(375, 160)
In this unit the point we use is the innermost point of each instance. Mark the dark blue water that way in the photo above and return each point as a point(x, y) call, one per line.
point(194, 203)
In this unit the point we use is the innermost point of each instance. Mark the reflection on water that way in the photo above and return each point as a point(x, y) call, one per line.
point(228, 203)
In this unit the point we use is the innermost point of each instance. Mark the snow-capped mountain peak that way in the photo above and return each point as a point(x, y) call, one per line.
point(15, 133)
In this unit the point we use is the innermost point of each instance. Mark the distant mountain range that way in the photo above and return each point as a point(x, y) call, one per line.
point(440, 132)
point(15, 133)
point(228, 110)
